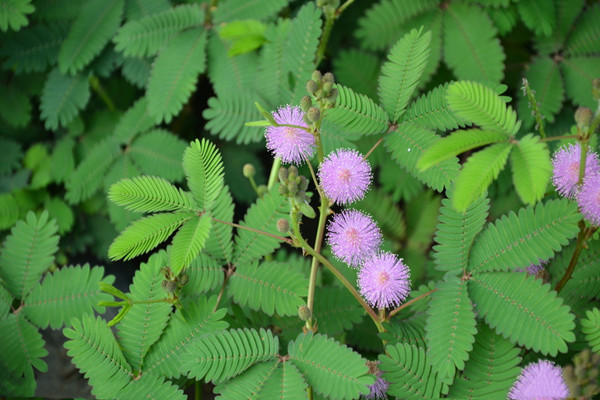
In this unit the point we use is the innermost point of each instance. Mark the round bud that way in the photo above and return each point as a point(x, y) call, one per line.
point(304, 313)
point(283, 225)
point(305, 103)
point(292, 172)
point(311, 87)
point(262, 190)
point(282, 174)
point(249, 171)
point(313, 114)
point(303, 185)
point(583, 116)
point(328, 78)
point(292, 187)
point(300, 197)
point(169, 286)
point(316, 76)
point(283, 190)
point(183, 279)
point(332, 96)
point(327, 86)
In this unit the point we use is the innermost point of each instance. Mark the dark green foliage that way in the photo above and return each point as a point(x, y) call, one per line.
point(63, 97)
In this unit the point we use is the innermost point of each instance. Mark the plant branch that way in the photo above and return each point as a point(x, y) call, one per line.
point(551, 138)
point(408, 303)
point(287, 240)
point(584, 234)
point(274, 172)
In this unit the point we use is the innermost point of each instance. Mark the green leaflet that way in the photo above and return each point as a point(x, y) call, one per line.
point(362, 80)
point(96, 23)
point(138, 10)
point(531, 168)
point(481, 105)
point(244, 36)
point(219, 244)
point(539, 16)
point(134, 121)
point(13, 14)
point(410, 375)
point(578, 76)
point(66, 293)
point(335, 310)
point(450, 328)
point(62, 98)
point(332, 369)
point(28, 252)
point(517, 241)
point(220, 356)
point(456, 143)
point(145, 36)
point(15, 107)
point(189, 242)
point(230, 10)
point(204, 273)
point(265, 380)
point(491, 370)
point(410, 331)
point(203, 169)
point(271, 287)
point(151, 386)
point(471, 47)
point(584, 40)
point(145, 234)
point(22, 346)
point(357, 114)
point(159, 152)
point(385, 211)
point(523, 309)
point(401, 73)
point(174, 74)
point(590, 327)
point(9, 210)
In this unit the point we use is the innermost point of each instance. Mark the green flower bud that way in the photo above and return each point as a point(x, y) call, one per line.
point(283, 225)
point(328, 78)
point(283, 190)
point(262, 190)
point(303, 184)
point(282, 174)
point(313, 114)
point(327, 86)
point(169, 286)
point(583, 117)
point(304, 313)
point(300, 197)
point(292, 187)
point(332, 96)
point(292, 173)
point(312, 87)
point(249, 171)
point(316, 76)
point(305, 103)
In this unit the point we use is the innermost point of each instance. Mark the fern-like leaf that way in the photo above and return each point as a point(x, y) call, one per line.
point(9, 210)
point(585, 281)
point(137, 9)
point(28, 252)
point(96, 23)
point(96, 353)
point(538, 15)
point(456, 143)
point(271, 75)
point(137, 72)
point(145, 322)
point(197, 318)
point(332, 369)
point(511, 243)
point(271, 287)
point(523, 309)
point(578, 75)
point(410, 375)
point(584, 40)
point(491, 370)
point(265, 380)
point(189, 242)
point(385, 210)
point(203, 168)
point(204, 274)
point(62, 98)
point(22, 346)
point(481, 105)
point(450, 328)
point(456, 232)
point(407, 144)
point(263, 216)
point(151, 387)
point(357, 70)
point(471, 48)
point(135, 120)
point(174, 74)
point(478, 173)
point(145, 234)
point(401, 73)
point(67, 293)
point(230, 10)
point(590, 327)
point(13, 14)
point(221, 356)
point(219, 243)
point(335, 311)
point(150, 194)
point(410, 331)
point(159, 152)
point(357, 114)
point(531, 168)
point(144, 37)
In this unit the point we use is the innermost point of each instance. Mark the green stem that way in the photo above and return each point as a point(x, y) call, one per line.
point(274, 172)
point(287, 240)
point(99, 90)
point(197, 391)
point(552, 138)
point(253, 183)
point(408, 303)
point(582, 237)
point(329, 20)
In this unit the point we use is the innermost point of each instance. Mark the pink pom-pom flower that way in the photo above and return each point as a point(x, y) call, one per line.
point(345, 176)
point(293, 145)
point(539, 380)
point(566, 161)
point(353, 236)
point(384, 280)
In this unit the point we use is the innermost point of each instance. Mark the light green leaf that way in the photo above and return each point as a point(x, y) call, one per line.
point(189, 242)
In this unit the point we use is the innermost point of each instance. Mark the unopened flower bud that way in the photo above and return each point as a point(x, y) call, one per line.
point(282, 174)
point(313, 114)
point(303, 185)
point(283, 225)
point(249, 171)
point(262, 190)
point(305, 103)
point(292, 173)
point(328, 78)
point(311, 87)
point(292, 187)
point(169, 286)
point(304, 313)
point(327, 86)
point(316, 76)
point(300, 197)
point(283, 190)
point(183, 279)
point(583, 116)
point(332, 96)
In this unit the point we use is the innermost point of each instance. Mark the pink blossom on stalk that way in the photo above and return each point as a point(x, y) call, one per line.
point(384, 280)
point(353, 236)
point(588, 199)
point(566, 162)
point(540, 380)
point(345, 176)
point(293, 145)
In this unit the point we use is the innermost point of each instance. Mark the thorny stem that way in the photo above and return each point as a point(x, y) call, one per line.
point(408, 303)
point(287, 240)
point(274, 172)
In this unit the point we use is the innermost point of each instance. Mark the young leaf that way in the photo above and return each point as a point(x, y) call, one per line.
point(203, 168)
point(219, 244)
point(22, 346)
point(62, 98)
point(96, 23)
point(478, 173)
point(174, 74)
point(13, 14)
point(523, 309)
point(189, 242)
point(590, 327)
point(204, 274)
point(332, 369)
point(531, 168)
point(538, 15)
point(401, 73)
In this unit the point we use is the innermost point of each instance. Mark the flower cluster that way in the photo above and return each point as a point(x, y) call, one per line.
point(540, 380)
point(566, 163)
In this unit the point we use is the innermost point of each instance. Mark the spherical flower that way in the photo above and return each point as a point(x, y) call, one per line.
point(345, 176)
point(588, 199)
point(540, 380)
point(380, 387)
point(353, 236)
point(384, 280)
point(566, 168)
point(293, 145)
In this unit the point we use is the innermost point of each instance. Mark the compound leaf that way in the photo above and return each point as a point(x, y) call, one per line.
point(203, 167)
point(531, 168)
point(62, 98)
point(189, 242)
point(159, 152)
point(590, 327)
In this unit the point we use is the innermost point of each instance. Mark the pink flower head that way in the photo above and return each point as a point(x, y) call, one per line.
point(379, 388)
point(353, 236)
point(345, 176)
point(384, 280)
point(293, 145)
point(539, 380)
point(588, 199)
point(566, 168)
